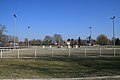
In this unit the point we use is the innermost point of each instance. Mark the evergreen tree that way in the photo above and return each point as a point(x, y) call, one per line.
point(117, 42)
point(72, 42)
point(79, 42)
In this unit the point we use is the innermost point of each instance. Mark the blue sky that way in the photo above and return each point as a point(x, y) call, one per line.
point(70, 18)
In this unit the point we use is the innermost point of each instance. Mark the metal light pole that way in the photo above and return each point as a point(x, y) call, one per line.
point(14, 29)
point(113, 34)
point(90, 35)
point(28, 36)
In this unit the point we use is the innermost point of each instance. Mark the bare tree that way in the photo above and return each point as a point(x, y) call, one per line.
point(48, 40)
point(102, 39)
point(57, 38)
point(2, 29)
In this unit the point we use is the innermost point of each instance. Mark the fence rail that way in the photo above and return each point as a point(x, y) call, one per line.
point(59, 52)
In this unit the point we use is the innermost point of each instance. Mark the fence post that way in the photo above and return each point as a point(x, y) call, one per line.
point(35, 53)
point(18, 53)
point(1, 53)
point(52, 52)
point(69, 52)
point(114, 51)
point(85, 53)
point(100, 51)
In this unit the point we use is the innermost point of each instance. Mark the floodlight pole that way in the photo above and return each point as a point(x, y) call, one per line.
point(14, 29)
point(90, 34)
point(28, 37)
point(113, 34)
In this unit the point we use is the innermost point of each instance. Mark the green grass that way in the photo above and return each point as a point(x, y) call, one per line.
point(58, 67)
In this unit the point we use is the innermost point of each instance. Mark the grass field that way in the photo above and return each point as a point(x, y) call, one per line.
point(58, 67)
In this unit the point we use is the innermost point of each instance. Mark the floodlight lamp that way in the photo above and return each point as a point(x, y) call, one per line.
point(113, 16)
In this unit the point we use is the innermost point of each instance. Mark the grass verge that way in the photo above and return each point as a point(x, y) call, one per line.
point(58, 67)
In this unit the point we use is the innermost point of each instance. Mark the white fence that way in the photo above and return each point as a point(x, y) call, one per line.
point(59, 52)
